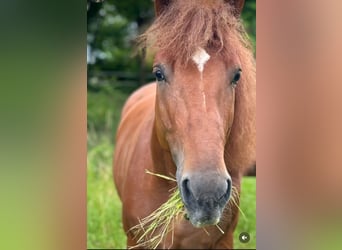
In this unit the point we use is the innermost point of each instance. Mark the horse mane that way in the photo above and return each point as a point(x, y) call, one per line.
point(212, 24)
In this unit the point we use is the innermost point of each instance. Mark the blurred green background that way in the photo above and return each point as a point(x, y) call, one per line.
point(114, 71)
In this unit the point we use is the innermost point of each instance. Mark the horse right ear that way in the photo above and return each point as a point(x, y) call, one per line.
point(160, 6)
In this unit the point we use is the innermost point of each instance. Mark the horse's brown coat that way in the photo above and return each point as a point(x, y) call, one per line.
point(170, 116)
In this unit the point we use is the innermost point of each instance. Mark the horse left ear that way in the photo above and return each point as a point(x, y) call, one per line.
point(160, 6)
point(237, 6)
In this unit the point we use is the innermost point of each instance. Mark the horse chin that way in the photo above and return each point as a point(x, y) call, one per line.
point(199, 218)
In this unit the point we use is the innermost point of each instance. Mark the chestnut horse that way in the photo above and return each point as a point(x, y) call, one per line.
point(196, 122)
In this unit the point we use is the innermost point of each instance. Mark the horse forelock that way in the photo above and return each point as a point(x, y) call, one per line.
point(187, 25)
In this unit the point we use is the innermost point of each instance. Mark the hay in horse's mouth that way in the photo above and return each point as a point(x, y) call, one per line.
point(152, 229)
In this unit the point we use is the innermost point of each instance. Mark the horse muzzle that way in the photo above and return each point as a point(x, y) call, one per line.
point(205, 196)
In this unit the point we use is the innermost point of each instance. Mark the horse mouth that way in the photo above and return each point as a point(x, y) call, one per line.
point(201, 218)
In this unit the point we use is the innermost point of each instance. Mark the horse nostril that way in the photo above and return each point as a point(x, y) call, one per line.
point(226, 195)
point(229, 186)
point(229, 189)
point(186, 189)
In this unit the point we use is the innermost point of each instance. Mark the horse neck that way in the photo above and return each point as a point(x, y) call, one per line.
point(162, 159)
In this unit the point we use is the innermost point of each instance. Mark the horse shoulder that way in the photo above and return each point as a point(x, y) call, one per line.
point(137, 96)
point(132, 151)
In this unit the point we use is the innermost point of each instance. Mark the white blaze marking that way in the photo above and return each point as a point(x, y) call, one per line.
point(200, 58)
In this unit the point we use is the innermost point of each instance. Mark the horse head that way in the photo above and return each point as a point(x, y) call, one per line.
point(198, 70)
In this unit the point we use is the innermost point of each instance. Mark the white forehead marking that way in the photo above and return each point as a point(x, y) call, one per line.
point(200, 57)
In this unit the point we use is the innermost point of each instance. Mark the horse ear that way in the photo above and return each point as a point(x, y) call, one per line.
point(160, 6)
point(237, 6)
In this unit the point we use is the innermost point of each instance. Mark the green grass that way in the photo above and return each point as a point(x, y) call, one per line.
point(248, 207)
point(104, 226)
point(104, 110)
point(103, 205)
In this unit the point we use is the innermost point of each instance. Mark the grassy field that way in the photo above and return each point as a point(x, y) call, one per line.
point(103, 205)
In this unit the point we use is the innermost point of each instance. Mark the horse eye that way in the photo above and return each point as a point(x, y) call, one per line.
point(159, 75)
point(237, 77)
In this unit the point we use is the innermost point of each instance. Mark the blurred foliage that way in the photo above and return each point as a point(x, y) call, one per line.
point(248, 17)
point(104, 110)
point(112, 29)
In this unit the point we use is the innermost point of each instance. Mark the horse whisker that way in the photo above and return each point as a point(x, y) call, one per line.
point(205, 230)
point(220, 229)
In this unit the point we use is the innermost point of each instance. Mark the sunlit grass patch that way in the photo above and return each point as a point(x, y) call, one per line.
point(103, 205)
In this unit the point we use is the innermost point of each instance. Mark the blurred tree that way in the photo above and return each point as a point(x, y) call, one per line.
point(112, 28)
point(248, 17)
point(140, 12)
